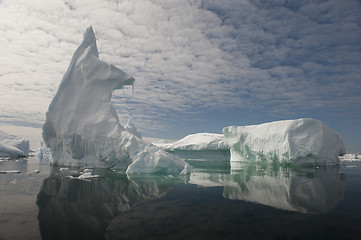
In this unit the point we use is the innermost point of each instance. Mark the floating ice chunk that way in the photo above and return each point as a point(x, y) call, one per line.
point(34, 172)
point(82, 127)
point(349, 157)
point(199, 141)
point(85, 175)
point(13, 146)
point(130, 127)
point(297, 141)
point(9, 171)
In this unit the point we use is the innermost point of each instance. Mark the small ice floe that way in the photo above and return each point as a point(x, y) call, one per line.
point(350, 157)
point(34, 172)
point(12, 146)
point(85, 175)
point(64, 169)
point(9, 171)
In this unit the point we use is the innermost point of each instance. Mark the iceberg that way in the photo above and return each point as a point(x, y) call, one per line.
point(199, 141)
point(12, 146)
point(200, 147)
point(82, 127)
point(130, 127)
point(291, 141)
point(351, 157)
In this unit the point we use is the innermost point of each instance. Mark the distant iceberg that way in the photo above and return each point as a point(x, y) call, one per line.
point(199, 141)
point(292, 141)
point(199, 147)
point(12, 146)
point(350, 157)
point(82, 127)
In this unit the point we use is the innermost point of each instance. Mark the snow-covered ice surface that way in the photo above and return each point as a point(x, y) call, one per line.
point(294, 141)
point(12, 146)
point(199, 141)
point(199, 147)
point(82, 127)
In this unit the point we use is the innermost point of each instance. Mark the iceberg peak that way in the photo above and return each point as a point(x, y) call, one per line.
point(82, 127)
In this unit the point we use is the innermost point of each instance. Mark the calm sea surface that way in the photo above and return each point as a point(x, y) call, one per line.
point(213, 202)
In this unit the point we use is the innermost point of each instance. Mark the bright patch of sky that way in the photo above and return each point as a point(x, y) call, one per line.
point(199, 65)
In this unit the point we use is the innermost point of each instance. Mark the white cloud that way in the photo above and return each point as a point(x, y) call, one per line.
point(187, 56)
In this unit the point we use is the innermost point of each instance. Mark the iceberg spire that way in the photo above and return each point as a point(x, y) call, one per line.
point(82, 127)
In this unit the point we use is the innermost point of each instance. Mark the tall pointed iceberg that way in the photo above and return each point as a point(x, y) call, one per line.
point(82, 127)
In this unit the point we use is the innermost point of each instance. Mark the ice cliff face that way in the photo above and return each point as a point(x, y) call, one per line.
point(82, 127)
point(13, 146)
point(297, 141)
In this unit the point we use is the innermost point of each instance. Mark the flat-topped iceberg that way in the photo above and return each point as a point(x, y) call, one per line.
point(200, 147)
point(199, 141)
point(293, 141)
point(82, 127)
point(12, 146)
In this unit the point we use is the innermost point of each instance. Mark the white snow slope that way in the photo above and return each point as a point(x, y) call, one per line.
point(298, 141)
point(82, 127)
point(199, 141)
point(13, 146)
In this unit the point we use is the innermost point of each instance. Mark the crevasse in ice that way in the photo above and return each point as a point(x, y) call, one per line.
point(13, 146)
point(298, 141)
point(82, 127)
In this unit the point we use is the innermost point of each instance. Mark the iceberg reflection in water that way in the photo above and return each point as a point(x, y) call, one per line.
point(307, 190)
point(71, 208)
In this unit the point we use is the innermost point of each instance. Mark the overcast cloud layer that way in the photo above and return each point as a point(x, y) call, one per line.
point(279, 58)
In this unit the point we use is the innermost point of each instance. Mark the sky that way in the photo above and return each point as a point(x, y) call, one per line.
point(199, 65)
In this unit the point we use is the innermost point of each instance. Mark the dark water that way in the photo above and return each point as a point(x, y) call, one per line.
point(213, 202)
